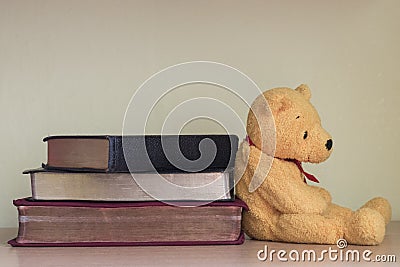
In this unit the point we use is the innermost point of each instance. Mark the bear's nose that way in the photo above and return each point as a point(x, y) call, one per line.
point(329, 144)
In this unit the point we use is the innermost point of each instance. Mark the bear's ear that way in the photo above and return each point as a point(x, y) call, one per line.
point(304, 90)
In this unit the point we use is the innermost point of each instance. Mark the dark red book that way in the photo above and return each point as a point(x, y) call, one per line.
point(78, 223)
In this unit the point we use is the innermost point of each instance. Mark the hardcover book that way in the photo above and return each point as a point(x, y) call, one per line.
point(150, 153)
point(95, 186)
point(75, 223)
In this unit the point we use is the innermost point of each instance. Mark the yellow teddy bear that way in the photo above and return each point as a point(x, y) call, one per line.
point(284, 130)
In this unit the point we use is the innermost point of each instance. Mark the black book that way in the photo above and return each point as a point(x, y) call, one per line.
point(149, 153)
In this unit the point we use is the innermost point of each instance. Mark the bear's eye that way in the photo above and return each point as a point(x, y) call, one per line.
point(305, 135)
point(298, 117)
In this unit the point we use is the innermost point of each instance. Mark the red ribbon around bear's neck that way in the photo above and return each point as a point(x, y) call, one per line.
point(307, 175)
point(249, 141)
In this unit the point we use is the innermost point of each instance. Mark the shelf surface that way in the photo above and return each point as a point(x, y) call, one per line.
point(235, 255)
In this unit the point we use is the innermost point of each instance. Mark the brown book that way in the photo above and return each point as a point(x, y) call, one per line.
point(72, 223)
point(201, 186)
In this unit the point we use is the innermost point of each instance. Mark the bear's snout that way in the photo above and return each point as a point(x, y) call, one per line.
point(329, 144)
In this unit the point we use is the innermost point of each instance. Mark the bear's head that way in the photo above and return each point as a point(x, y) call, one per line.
point(291, 119)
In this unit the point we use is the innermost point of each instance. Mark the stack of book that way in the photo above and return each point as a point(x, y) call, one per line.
point(111, 191)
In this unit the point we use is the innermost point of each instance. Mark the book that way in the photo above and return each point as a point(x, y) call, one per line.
point(149, 153)
point(77, 223)
point(200, 186)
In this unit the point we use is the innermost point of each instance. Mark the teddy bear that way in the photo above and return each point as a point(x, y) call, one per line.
point(283, 131)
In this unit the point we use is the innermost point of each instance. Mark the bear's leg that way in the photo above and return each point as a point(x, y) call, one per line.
point(257, 228)
point(336, 211)
point(309, 228)
point(382, 206)
point(365, 227)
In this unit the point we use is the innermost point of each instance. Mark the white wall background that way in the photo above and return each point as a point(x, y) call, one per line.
point(70, 67)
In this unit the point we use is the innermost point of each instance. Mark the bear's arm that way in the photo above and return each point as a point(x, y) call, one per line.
point(323, 192)
point(285, 190)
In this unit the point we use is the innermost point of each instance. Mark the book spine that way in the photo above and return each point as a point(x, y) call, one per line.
point(146, 153)
point(232, 186)
point(112, 155)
